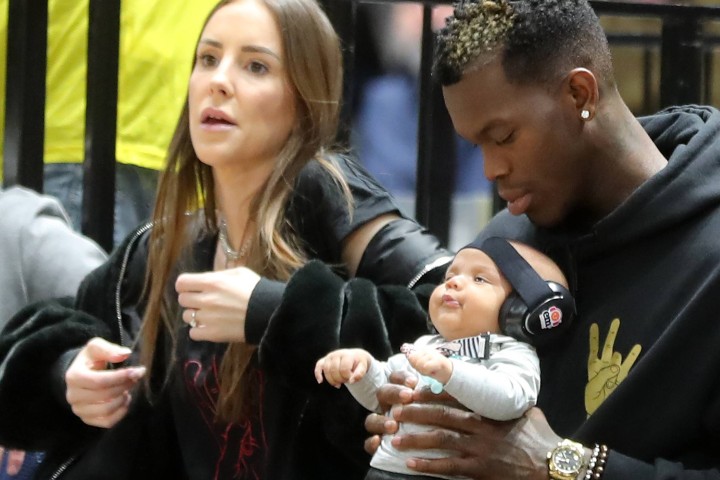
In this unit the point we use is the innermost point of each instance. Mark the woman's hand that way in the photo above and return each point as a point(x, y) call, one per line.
point(100, 397)
point(216, 303)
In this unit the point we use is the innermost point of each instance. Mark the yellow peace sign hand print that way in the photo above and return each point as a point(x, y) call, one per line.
point(606, 371)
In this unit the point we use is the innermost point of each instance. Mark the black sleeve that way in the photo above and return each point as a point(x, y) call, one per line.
point(319, 212)
point(403, 252)
point(621, 467)
point(265, 298)
point(400, 253)
point(35, 338)
point(35, 343)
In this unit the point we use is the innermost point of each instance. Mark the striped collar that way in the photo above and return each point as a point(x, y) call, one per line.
point(479, 347)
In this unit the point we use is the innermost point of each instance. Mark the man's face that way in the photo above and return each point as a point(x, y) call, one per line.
point(529, 139)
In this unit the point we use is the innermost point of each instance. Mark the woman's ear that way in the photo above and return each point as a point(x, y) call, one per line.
point(583, 87)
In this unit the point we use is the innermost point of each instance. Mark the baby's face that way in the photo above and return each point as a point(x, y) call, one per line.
point(468, 302)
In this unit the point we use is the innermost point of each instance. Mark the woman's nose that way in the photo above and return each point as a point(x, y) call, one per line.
point(220, 83)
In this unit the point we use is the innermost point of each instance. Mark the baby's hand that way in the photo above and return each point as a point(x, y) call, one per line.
point(343, 366)
point(431, 363)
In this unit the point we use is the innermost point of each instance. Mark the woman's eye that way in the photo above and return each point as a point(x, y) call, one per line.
point(207, 60)
point(257, 67)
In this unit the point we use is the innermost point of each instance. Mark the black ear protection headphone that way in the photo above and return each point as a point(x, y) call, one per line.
point(536, 311)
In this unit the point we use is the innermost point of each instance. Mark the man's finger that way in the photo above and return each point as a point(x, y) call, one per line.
point(403, 377)
point(438, 416)
point(390, 394)
point(371, 444)
point(380, 424)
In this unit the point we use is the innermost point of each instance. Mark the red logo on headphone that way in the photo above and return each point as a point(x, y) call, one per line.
point(550, 318)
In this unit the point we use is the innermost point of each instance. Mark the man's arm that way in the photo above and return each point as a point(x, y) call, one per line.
point(492, 450)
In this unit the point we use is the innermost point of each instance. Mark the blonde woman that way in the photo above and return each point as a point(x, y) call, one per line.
point(252, 191)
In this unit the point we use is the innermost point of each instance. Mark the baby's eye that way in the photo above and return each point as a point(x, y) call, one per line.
point(479, 279)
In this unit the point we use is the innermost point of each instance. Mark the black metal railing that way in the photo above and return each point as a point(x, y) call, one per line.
point(686, 77)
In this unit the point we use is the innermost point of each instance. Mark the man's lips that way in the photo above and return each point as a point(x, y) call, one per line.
point(517, 203)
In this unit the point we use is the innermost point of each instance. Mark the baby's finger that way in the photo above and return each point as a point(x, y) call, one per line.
point(358, 372)
point(319, 370)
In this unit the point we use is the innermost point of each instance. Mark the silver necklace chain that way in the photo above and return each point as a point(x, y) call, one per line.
point(230, 254)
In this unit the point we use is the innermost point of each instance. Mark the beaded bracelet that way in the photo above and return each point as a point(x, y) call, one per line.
point(596, 465)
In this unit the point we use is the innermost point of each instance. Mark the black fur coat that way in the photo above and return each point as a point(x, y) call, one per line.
point(319, 312)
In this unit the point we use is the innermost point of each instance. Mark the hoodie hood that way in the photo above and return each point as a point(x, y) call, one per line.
point(689, 137)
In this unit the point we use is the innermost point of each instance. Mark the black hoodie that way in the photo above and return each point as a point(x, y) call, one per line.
point(651, 389)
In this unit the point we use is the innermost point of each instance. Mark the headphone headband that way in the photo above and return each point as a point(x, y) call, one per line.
point(523, 278)
point(537, 311)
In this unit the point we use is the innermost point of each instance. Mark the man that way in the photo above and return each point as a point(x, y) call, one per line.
point(631, 210)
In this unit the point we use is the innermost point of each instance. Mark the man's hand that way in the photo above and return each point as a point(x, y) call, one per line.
point(480, 448)
point(100, 397)
point(398, 391)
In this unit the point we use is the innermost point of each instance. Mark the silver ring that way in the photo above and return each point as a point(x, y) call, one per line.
point(193, 322)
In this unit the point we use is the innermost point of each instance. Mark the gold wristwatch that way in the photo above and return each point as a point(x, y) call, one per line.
point(566, 461)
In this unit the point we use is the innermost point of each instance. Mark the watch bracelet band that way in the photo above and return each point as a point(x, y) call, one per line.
point(596, 464)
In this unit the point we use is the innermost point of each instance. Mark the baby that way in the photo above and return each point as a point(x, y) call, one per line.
point(472, 356)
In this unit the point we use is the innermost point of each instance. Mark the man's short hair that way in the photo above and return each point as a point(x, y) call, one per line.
point(538, 40)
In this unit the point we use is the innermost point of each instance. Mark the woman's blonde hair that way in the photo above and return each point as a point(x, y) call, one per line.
point(313, 62)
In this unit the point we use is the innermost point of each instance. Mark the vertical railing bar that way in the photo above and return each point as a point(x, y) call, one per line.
point(343, 15)
point(708, 60)
point(647, 79)
point(436, 163)
point(101, 121)
point(681, 65)
point(25, 93)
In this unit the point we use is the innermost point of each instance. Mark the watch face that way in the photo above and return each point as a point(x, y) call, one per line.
point(567, 461)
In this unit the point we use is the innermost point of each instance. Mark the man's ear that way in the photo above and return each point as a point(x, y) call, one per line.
point(583, 86)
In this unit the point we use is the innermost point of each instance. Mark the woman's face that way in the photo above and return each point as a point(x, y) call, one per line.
point(241, 105)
